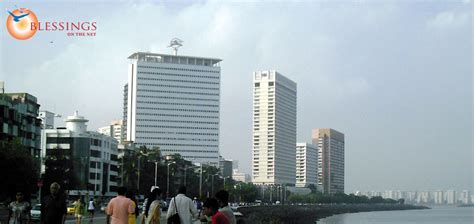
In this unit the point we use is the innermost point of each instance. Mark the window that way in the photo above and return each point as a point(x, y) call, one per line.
point(257, 84)
point(270, 83)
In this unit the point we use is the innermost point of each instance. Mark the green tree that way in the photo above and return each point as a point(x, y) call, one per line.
point(18, 170)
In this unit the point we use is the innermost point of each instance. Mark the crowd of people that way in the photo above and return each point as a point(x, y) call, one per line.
point(124, 209)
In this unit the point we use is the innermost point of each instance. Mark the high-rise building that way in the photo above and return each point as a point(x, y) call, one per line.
point(451, 197)
point(274, 129)
point(19, 120)
point(172, 102)
point(85, 161)
point(116, 130)
point(330, 145)
point(306, 164)
point(465, 197)
point(439, 197)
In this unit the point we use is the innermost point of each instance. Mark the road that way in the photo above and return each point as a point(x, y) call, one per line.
point(101, 219)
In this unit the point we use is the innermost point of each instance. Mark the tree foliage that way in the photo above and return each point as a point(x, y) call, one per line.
point(19, 170)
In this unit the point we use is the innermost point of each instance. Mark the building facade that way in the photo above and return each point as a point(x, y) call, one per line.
point(306, 164)
point(116, 129)
point(274, 129)
point(19, 121)
point(82, 161)
point(225, 167)
point(172, 102)
point(330, 145)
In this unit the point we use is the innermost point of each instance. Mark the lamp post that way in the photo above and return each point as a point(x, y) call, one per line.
point(168, 181)
point(200, 183)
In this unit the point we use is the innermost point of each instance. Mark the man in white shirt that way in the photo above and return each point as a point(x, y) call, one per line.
point(184, 206)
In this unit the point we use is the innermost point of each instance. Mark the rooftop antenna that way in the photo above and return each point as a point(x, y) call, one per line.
point(175, 43)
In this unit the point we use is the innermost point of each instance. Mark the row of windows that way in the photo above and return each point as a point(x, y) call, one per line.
point(178, 69)
point(181, 121)
point(183, 133)
point(177, 98)
point(175, 86)
point(180, 139)
point(178, 127)
point(153, 108)
point(172, 144)
point(177, 80)
point(179, 92)
point(182, 104)
point(176, 115)
point(171, 150)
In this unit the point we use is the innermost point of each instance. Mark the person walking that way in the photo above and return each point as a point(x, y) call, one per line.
point(153, 207)
point(182, 205)
point(211, 210)
point(19, 210)
point(53, 206)
point(79, 210)
point(132, 218)
point(222, 197)
point(119, 208)
point(91, 210)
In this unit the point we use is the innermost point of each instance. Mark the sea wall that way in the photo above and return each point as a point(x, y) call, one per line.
point(296, 214)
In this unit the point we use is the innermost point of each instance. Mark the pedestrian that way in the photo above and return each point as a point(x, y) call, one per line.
point(222, 197)
point(182, 205)
point(132, 218)
point(91, 210)
point(211, 209)
point(53, 206)
point(198, 205)
point(119, 208)
point(79, 210)
point(19, 210)
point(153, 207)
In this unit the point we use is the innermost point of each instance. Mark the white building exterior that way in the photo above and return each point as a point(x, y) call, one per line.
point(92, 156)
point(465, 197)
point(439, 197)
point(274, 129)
point(451, 198)
point(172, 102)
point(306, 164)
point(116, 129)
point(242, 177)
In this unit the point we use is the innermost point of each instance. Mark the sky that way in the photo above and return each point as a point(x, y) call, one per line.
point(394, 76)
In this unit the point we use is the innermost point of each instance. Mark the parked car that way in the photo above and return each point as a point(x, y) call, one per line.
point(35, 212)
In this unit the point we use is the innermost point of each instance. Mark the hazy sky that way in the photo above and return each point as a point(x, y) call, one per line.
point(394, 77)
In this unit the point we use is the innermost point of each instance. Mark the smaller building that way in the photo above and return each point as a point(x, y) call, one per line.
point(242, 177)
point(225, 167)
point(116, 129)
point(84, 162)
point(306, 164)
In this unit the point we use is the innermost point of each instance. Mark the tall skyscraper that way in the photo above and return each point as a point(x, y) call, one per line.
point(306, 164)
point(274, 129)
point(330, 145)
point(172, 102)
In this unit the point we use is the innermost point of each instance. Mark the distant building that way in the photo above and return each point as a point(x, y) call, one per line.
point(116, 129)
point(83, 162)
point(173, 102)
point(274, 129)
point(465, 197)
point(439, 197)
point(451, 197)
point(330, 145)
point(19, 121)
point(306, 165)
point(242, 177)
point(225, 167)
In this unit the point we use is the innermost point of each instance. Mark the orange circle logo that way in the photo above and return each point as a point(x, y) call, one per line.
point(19, 23)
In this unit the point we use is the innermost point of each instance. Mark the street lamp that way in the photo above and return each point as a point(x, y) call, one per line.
point(156, 170)
point(168, 180)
